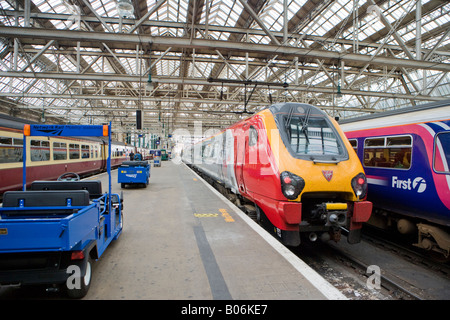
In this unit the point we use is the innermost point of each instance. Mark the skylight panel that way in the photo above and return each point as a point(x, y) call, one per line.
point(5, 5)
point(171, 10)
point(272, 15)
point(224, 13)
point(110, 7)
point(98, 7)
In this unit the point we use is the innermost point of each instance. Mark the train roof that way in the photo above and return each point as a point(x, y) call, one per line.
point(13, 123)
point(429, 112)
point(295, 107)
point(7, 121)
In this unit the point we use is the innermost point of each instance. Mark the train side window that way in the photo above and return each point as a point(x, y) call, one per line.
point(252, 136)
point(388, 152)
point(207, 151)
point(441, 157)
point(354, 144)
point(84, 151)
point(11, 150)
point(59, 151)
point(74, 151)
point(39, 150)
point(374, 142)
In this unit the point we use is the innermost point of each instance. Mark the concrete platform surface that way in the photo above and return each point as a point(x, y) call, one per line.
point(183, 240)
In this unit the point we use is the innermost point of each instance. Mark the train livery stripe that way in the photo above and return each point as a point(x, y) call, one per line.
point(442, 181)
point(381, 181)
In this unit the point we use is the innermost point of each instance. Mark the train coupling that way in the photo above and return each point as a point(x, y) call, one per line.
point(332, 214)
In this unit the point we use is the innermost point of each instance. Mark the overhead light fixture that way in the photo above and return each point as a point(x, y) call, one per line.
point(339, 93)
point(149, 84)
point(125, 8)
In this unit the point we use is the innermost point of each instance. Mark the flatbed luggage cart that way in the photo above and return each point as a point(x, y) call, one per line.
point(133, 172)
point(52, 233)
point(157, 161)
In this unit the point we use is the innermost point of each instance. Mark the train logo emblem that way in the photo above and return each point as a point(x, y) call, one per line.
point(419, 184)
point(328, 174)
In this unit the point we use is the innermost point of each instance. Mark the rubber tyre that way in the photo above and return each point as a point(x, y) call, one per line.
point(85, 283)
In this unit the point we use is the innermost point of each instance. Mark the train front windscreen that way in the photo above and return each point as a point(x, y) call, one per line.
point(309, 134)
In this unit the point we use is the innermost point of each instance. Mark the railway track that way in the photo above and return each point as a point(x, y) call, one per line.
point(367, 271)
point(350, 268)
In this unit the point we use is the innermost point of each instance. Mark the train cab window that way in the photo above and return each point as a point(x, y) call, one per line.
point(313, 138)
point(388, 152)
point(59, 151)
point(252, 136)
point(39, 150)
point(10, 150)
point(441, 157)
point(74, 151)
point(84, 151)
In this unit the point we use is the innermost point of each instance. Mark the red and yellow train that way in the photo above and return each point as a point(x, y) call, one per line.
point(294, 164)
point(49, 157)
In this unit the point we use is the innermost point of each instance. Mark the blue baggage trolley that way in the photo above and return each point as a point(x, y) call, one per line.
point(52, 233)
point(157, 158)
point(134, 173)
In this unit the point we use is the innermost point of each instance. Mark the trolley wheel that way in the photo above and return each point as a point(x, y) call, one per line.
point(84, 282)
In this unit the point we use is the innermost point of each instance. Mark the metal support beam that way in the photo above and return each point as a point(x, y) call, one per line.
point(285, 21)
point(147, 15)
point(394, 33)
point(86, 2)
point(286, 52)
point(260, 22)
point(187, 81)
point(419, 29)
point(27, 9)
point(437, 45)
point(204, 28)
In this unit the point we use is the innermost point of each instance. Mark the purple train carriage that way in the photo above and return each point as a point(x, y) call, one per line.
point(406, 157)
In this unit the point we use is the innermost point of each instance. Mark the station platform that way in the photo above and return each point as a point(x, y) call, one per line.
point(183, 240)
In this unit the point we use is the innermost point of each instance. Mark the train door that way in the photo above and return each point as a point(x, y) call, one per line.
point(241, 147)
point(103, 155)
point(229, 160)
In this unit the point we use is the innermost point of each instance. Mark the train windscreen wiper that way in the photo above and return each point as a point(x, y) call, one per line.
point(288, 119)
point(305, 125)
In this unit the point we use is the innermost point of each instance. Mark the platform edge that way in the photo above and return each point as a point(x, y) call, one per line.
point(326, 288)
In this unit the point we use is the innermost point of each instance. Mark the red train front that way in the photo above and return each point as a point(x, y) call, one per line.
point(295, 166)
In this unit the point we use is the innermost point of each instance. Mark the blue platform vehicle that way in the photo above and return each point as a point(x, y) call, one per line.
point(51, 234)
point(156, 157)
point(134, 173)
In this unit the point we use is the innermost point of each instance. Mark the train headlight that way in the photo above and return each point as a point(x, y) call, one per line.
point(291, 185)
point(359, 185)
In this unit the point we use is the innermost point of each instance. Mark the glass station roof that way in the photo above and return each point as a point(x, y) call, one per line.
point(94, 81)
